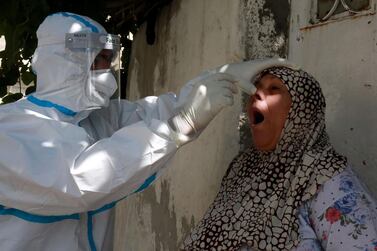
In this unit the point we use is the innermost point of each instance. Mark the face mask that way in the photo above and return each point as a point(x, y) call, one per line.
point(102, 85)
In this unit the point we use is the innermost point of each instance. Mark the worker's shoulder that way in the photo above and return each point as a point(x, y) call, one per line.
point(17, 119)
point(21, 110)
point(14, 107)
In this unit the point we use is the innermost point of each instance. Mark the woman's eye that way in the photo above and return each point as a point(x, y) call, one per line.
point(275, 88)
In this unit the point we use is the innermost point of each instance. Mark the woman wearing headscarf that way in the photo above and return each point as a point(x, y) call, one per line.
point(291, 190)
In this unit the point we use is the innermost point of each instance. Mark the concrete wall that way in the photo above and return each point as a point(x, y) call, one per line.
point(342, 55)
point(193, 36)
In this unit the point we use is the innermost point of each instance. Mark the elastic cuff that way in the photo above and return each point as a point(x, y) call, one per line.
point(165, 131)
point(178, 125)
point(179, 138)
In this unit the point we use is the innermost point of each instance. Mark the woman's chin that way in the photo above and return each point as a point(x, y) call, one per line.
point(261, 144)
point(264, 149)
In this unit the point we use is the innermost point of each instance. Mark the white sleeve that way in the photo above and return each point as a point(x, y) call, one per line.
point(161, 107)
point(50, 167)
point(117, 166)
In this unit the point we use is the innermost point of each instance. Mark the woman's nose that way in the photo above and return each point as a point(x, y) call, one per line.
point(259, 95)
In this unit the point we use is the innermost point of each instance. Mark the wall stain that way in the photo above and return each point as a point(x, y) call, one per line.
point(265, 34)
point(368, 85)
point(280, 11)
point(163, 217)
point(186, 227)
point(167, 50)
point(151, 56)
point(267, 28)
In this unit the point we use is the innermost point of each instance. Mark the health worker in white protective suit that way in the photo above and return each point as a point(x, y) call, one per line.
point(68, 153)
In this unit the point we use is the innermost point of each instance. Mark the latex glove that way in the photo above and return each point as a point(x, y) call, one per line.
point(245, 72)
point(210, 94)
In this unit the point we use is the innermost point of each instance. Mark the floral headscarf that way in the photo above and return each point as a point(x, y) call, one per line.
point(260, 194)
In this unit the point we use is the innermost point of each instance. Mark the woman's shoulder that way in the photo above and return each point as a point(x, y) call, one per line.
point(342, 213)
point(345, 185)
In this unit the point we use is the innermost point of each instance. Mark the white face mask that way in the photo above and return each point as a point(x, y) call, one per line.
point(102, 85)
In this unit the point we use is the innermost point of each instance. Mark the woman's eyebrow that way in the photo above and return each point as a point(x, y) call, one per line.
point(280, 83)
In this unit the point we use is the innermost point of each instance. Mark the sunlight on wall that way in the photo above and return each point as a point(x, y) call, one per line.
point(2, 43)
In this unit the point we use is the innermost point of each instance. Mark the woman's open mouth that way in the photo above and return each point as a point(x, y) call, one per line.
point(258, 117)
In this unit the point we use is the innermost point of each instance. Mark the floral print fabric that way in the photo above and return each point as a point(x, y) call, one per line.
point(342, 216)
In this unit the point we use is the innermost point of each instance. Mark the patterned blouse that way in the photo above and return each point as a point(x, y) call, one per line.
point(342, 216)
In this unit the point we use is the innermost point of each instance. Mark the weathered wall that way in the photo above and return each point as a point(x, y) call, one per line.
point(193, 36)
point(342, 55)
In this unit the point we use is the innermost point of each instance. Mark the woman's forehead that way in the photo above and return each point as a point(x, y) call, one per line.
point(268, 78)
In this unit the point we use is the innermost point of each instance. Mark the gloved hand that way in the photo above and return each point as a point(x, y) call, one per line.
point(211, 93)
point(246, 71)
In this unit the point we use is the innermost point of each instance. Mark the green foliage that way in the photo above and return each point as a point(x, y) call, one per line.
point(11, 97)
point(19, 20)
